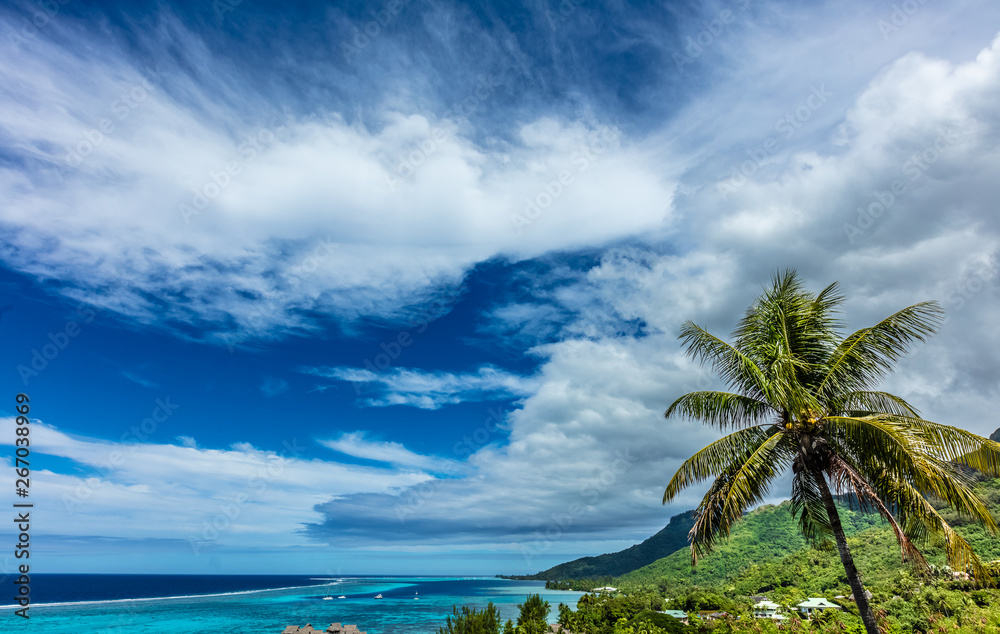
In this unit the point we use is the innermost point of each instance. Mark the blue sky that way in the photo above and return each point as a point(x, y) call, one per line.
point(394, 287)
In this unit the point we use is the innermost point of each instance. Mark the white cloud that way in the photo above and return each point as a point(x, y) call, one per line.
point(587, 439)
point(309, 224)
point(145, 490)
point(599, 391)
point(355, 444)
point(588, 454)
point(431, 390)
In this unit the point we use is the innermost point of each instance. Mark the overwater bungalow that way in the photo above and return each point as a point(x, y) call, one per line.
point(335, 628)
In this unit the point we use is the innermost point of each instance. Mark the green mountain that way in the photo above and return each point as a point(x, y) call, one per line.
point(671, 538)
point(819, 572)
point(765, 535)
point(764, 538)
point(766, 551)
point(773, 525)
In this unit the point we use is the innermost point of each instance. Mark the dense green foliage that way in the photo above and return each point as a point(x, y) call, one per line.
point(765, 535)
point(767, 553)
point(531, 620)
point(753, 560)
point(472, 621)
point(906, 605)
point(910, 599)
point(533, 616)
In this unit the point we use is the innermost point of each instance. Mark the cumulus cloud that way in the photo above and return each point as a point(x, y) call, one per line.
point(587, 454)
point(885, 183)
point(601, 390)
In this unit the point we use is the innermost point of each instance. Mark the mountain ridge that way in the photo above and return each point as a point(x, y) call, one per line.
point(674, 536)
point(669, 539)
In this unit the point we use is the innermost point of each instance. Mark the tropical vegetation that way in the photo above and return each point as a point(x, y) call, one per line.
point(804, 397)
point(532, 619)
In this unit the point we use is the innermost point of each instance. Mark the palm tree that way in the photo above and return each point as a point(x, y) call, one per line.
point(804, 397)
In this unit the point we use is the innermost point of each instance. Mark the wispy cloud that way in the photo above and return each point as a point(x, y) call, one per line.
point(139, 380)
point(431, 390)
point(272, 386)
point(320, 230)
point(769, 148)
point(357, 445)
point(146, 490)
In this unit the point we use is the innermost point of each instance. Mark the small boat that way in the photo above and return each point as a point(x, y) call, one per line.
point(327, 598)
point(378, 596)
point(341, 597)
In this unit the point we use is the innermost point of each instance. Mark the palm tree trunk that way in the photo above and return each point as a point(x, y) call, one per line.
point(853, 576)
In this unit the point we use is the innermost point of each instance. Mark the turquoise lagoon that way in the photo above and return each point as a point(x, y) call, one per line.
point(410, 605)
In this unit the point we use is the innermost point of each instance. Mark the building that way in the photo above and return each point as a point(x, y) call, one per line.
point(605, 589)
point(680, 615)
point(335, 628)
point(765, 609)
point(867, 593)
point(814, 604)
point(710, 615)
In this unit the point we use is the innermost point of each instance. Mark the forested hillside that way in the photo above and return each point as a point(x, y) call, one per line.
point(765, 535)
point(668, 540)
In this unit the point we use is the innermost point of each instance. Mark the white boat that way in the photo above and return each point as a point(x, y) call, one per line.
point(327, 598)
point(341, 597)
point(378, 596)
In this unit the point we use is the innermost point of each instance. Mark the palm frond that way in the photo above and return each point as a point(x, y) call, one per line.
point(722, 409)
point(870, 353)
point(744, 483)
point(735, 368)
point(920, 519)
point(790, 333)
point(958, 445)
point(921, 454)
point(879, 440)
point(807, 505)
point(866, 403)
point(846, 478)
point(716, 458)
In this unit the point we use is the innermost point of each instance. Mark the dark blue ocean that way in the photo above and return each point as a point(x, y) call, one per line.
point(175, 604)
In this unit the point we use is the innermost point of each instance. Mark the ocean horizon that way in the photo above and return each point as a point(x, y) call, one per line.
point(181, 604)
